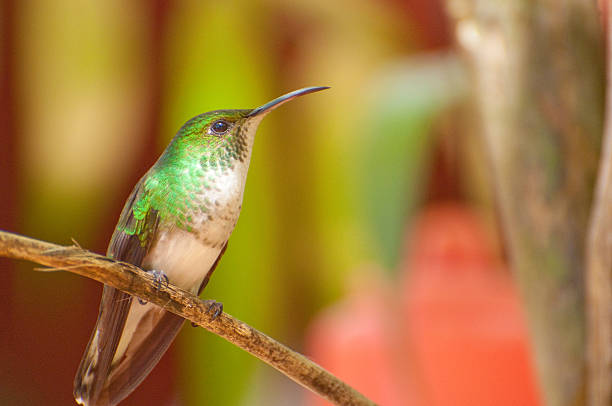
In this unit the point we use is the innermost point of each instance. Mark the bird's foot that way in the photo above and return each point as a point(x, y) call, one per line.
point(213, 306)
point(216, 308)
point(160, 278)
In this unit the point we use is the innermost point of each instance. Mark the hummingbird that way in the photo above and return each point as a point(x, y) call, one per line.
point(175, 224)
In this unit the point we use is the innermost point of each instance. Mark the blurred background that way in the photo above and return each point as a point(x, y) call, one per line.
point(368, 238)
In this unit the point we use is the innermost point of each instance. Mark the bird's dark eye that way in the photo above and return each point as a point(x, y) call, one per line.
point(219, 127)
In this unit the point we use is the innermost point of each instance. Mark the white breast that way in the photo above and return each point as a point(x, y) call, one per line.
point(182, 257)
point(187, 257)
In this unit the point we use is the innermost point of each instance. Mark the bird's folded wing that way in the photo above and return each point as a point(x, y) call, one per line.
point(130, 243)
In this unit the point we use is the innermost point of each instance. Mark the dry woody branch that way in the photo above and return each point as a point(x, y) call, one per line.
point(133, 280)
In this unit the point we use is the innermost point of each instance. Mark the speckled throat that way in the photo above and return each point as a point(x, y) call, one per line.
point(198, 188)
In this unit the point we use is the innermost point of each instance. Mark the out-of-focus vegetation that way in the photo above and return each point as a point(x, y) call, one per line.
point(347, 246)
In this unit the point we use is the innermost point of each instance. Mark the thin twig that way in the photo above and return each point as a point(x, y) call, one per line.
point(131, 279)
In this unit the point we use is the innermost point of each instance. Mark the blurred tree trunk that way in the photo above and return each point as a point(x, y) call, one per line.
point(537, 69)
point(599, 260)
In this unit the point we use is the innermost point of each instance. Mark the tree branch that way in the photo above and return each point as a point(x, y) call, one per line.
point(133, 280)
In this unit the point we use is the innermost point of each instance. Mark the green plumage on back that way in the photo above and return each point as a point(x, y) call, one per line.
point(168, 193)
point(139, 220)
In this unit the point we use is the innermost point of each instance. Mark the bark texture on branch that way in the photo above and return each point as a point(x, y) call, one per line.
point(537, 70)
point(133, 280)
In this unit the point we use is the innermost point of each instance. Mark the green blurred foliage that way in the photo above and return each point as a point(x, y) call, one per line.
point(404, 101)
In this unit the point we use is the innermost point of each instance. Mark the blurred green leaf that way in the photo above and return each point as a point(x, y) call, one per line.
point(394, 143)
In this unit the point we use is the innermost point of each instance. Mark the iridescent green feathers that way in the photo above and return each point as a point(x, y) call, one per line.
point(169, 192)
point(134, 232)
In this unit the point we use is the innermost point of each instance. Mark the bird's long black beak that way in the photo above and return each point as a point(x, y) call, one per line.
point(271, 105)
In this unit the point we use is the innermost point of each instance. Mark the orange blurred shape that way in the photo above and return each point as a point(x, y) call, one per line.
point(353, 341)
point(463, 315)
point(457, 336)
